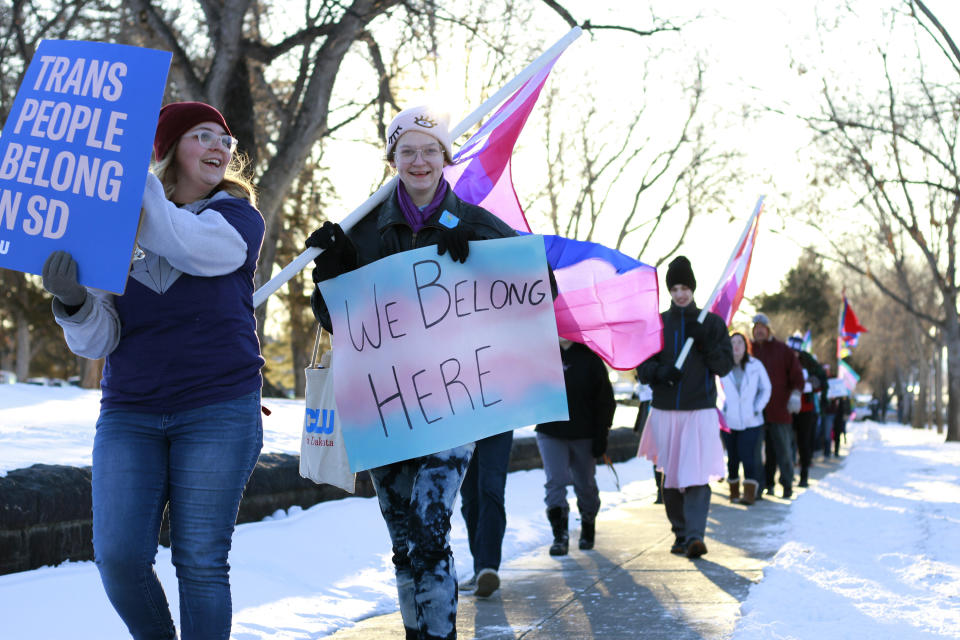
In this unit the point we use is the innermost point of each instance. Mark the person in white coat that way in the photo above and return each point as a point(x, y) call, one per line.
point(747, 389)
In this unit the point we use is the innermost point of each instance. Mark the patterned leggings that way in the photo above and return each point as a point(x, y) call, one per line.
point(416, 499)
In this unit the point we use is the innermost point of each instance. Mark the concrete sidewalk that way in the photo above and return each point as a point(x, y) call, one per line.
point(630, 586)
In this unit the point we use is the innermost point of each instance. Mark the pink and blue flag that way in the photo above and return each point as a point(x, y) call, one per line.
point(735, 279)
point(481, 169)
point(607, 300)
point(846, 373)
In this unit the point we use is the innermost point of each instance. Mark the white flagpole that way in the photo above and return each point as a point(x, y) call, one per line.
point(723, 278)
point(301, 261)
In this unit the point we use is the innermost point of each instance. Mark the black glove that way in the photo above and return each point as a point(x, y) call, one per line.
point(60, 279)
point(599, 445)
point(455, 242)
point(668, 374)
point(390, 241)
point(339, 255)
point(696, 331)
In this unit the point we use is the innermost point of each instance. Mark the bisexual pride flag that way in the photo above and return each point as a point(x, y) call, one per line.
point(607, 300)
point(734, 281)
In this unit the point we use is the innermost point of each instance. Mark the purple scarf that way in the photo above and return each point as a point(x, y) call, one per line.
point(416, 217)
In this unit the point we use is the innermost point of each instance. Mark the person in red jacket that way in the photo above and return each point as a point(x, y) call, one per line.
point(786, 380)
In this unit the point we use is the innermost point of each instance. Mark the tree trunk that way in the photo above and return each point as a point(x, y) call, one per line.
point(938, 386)
point(921, 414)
point(23, 346)
point(953, 384)
point(90, 373)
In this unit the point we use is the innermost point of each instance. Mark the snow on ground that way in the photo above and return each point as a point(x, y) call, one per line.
point(871, 551)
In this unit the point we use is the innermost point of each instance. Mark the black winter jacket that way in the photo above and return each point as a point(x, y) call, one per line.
point(366, 234)
point(589, 397)
point(697, 389)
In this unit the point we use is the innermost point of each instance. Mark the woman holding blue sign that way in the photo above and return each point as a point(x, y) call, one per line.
point(179, 424)
point(416, 496)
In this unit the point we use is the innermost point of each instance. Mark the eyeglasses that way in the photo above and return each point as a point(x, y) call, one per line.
point(409, 154)
point(209, 140)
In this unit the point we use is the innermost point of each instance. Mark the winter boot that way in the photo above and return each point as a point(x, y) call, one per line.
point(804, 474)
point(734, 490)
point(696, 548)
point(561, 537)
point(588, 531)
point(749, 491)
point(658, 477)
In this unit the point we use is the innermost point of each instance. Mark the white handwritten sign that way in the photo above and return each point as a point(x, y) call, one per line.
point(431, 354)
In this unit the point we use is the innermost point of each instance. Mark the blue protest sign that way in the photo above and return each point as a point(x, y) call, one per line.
point(74, 156)
point(431, 354)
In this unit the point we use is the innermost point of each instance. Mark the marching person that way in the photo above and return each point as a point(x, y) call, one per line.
point(747, 391)
point(786, 381)
point(182, 370)
point(805, 420)
point(416, 496)
point(569, 448)
point(682, 432)
point(483, 506)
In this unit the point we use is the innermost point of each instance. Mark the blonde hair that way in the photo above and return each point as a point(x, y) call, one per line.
point(234, 180)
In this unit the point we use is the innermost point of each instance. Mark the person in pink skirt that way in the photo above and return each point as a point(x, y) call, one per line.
point(682, 435)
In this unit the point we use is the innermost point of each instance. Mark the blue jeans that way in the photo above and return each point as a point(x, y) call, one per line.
point(742, 449)
point(482, 496)
point(416, 500)
point(199, 461)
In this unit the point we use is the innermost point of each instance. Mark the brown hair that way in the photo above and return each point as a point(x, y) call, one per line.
point(746, 344)
point(234, 180)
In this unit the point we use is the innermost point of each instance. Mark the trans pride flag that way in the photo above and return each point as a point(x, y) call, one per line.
point(734, 281)
point(846, 373)
point(607, 300)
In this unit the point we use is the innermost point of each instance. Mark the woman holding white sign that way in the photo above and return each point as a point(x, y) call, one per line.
point(179, 424)
point(416, 496)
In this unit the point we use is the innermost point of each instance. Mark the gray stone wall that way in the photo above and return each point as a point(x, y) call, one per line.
point(45, 511)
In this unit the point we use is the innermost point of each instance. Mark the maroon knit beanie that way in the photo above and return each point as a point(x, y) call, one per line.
point(177, 118)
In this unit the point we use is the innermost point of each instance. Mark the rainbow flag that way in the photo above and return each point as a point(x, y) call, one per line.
point(735, 279)
point(607, 300)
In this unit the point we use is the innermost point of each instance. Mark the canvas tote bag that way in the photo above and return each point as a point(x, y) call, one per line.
point(323, 456)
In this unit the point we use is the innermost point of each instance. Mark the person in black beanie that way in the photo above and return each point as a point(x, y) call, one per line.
point(682, 435)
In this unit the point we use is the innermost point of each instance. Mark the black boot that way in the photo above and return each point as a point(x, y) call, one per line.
point(561, 538)
point(804, 474)
point(588, 531)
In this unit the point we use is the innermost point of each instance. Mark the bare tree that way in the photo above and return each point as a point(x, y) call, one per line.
point(897, 153)
point(642, 184)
